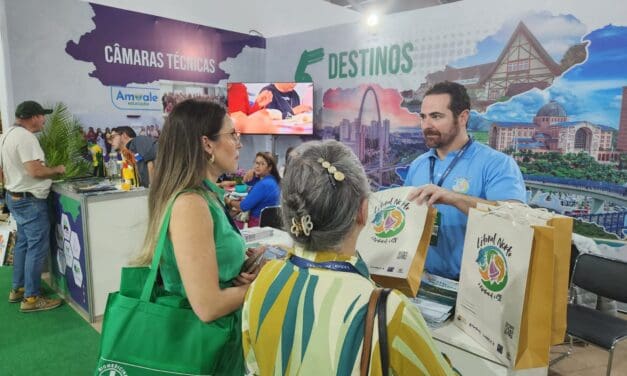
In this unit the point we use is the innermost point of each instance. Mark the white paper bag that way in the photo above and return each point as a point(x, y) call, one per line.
point(493, 281)
point(395, 241)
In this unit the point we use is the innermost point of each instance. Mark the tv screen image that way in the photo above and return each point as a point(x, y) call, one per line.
point(276, 108)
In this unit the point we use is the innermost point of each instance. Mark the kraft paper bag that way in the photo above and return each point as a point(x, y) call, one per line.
point(535, 338)
point(396, 238)
point(494, 283)
point(563, 239)
point(561, 252)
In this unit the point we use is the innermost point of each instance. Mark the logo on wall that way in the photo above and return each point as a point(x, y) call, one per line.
point(388, 222)
point(136, 98)
point(492, 268)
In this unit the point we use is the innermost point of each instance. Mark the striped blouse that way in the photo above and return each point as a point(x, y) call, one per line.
point(299, 321)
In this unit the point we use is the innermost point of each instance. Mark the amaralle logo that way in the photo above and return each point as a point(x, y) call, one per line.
point(136, 98)
point(372, 61)
point(492, 268)
point(388, 221)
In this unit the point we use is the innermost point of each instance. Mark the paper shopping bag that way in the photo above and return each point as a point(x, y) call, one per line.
point(561, 253)
point(535, 332)
point(396, 238)
point(562, 243)
point(494, 282)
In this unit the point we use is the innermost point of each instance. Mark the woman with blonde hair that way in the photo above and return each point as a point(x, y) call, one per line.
point(204, 251)
point(305, 315)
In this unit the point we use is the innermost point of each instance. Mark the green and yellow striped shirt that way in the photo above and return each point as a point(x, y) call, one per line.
point(311, 322)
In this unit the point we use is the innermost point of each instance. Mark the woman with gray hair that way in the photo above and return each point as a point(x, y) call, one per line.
point(306, 313)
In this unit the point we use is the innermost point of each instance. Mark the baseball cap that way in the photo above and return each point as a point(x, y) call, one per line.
point(28, 109)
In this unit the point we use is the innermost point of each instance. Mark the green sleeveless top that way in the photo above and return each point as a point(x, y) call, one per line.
point(230, 247)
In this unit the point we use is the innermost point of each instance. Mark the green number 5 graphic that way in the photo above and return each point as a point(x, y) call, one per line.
point(307, 58)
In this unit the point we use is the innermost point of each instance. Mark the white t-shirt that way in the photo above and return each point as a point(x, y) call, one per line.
point(18, 146)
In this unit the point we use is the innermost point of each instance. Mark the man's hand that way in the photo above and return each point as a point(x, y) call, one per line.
point(432, 194)
point(60, 169)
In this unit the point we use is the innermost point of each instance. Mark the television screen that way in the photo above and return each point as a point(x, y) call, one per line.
point(271, 108)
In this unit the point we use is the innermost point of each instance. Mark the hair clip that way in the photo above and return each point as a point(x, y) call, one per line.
point(305, 225)
point(334, 174)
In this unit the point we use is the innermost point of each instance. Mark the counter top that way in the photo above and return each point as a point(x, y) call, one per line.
point(102, 188)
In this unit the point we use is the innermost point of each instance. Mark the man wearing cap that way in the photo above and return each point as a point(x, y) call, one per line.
point(27, 183)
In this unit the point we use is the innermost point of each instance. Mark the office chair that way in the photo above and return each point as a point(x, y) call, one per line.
point(607, 278)
point(271, 217)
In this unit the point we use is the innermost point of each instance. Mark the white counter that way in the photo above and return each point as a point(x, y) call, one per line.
point(94, 236)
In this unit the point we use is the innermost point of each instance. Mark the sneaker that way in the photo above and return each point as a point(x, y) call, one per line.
point(39, 303)
point(16, 295)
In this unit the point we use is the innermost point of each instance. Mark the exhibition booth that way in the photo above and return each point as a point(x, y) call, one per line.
point(543, 90)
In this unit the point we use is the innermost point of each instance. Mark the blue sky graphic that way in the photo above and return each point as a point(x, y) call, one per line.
point(555, 33)
point(590, 91)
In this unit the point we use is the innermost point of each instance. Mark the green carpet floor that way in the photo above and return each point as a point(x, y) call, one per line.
point(55, 342)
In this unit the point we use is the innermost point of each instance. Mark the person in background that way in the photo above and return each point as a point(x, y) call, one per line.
point(205, 251)
point(107, 139)
point(143, 147)
point(27, 181)
point(91, 134)
point(287, 159)
point(285, 99)
point(265, 189)
point(456, 174)
point(318, 295)
point(238, 99)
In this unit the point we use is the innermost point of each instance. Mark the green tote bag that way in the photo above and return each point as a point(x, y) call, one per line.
point(147, 332)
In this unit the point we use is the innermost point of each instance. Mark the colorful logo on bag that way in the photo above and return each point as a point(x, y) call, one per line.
point(388, 222)
point(461, 185)
point(492, 268)
point(111, 369)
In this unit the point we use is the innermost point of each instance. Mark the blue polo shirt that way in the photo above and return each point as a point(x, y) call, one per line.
point(481, 172)
point(265, 192)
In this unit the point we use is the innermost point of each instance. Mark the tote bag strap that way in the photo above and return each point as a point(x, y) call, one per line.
point(156, 258)
point(383, 331)
point(364, 364)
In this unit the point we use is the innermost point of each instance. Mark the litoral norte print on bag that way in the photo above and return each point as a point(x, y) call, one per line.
point(395, 240)
point(492, 264)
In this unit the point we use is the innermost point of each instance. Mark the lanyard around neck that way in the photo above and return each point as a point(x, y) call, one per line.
point(450, 166)
point(338, 266)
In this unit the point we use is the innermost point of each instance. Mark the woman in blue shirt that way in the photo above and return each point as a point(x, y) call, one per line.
point(265, 189)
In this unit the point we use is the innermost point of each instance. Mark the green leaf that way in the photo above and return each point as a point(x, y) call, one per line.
point(64, 144)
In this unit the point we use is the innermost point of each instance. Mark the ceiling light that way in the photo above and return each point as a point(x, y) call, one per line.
point(372, 20)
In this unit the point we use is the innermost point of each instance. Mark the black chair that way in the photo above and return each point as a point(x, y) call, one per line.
point(607, 278)
point(271, 217)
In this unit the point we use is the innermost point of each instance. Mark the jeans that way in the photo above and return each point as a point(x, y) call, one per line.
point(32, 242)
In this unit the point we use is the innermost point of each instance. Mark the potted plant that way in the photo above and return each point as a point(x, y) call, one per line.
point(63, 143)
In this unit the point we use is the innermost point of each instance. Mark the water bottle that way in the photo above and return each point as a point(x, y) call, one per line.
point(113, 170)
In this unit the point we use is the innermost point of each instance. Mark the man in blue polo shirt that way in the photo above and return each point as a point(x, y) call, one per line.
point(456, 174)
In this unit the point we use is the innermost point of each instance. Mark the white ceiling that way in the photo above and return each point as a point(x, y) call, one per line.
point(268, 17)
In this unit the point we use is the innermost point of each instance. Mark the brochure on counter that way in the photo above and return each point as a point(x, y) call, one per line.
point(436, 299)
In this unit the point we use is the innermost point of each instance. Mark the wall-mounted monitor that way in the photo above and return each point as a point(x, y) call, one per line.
point(278, 108)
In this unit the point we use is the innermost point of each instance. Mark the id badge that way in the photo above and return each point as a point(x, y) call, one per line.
point(436, 227)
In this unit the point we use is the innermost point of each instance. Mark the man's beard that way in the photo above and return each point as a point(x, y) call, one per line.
point(438, 140)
